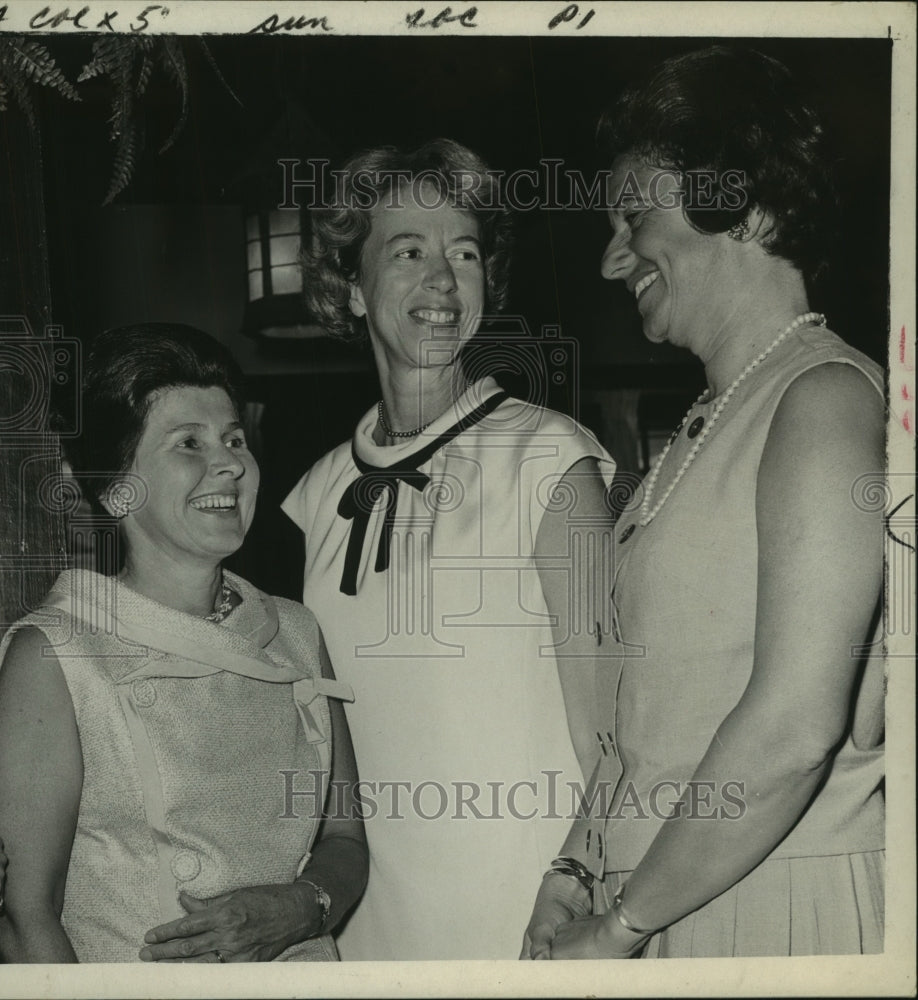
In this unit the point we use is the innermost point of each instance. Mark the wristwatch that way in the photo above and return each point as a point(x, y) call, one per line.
point(323, 901)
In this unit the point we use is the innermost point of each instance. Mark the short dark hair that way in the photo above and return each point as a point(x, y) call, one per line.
point(126, 367)
point(726, 108)
point(331, 260)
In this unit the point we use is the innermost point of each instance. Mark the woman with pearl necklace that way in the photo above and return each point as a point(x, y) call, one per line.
point(737, 804)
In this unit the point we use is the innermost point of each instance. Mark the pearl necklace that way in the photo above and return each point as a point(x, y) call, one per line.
point(648, 513)
point(387, 430)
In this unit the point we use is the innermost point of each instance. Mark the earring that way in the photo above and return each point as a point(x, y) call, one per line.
point(740, 231)
point(118, 504)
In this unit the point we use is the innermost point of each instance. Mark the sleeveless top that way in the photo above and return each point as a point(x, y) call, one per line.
point(441, 627)
point(683, 617)
point(206, 752)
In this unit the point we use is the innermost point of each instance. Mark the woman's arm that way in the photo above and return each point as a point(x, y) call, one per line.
point(340, 859)
point(574, 548)
point(257, 923)
point(819, 581)
point(41, 777)
point(573, 552)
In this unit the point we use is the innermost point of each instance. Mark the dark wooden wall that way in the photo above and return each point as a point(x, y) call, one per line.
point(31, 527)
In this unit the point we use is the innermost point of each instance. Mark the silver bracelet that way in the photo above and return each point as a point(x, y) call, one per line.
point(572, 868)
point(616, 908)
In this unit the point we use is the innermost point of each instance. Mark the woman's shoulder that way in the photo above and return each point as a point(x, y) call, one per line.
point(306, 494)
point(294, 612)
point(821, 347)
point(298, 629)
point(51, 621)
point(526, 422)
point(25, 642)
point(31, 668)
point(820, 389)
point(828, 376)
point(537, 431)
point(831, 399)
point(328, 466)
point(542, 417)
point(292, 616)
point(827, 435)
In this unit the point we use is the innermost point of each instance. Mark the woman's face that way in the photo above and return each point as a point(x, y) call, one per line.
point(422, 282)
point(677, 274)
point(201, 480)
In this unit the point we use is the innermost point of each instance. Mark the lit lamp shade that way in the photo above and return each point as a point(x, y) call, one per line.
point(275, 309)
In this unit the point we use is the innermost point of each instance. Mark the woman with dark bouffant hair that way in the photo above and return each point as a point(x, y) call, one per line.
point(739, 806)
point(438, 563)
point(147, 719)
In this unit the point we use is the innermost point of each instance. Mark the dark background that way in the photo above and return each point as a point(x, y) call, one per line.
point(171, 246)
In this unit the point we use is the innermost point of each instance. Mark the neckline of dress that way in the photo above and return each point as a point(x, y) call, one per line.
point(383, 455)
point(251, 621)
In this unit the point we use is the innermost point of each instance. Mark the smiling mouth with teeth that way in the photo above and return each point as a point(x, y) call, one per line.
point(215, 501)
point(439, 317)
point(645, 283)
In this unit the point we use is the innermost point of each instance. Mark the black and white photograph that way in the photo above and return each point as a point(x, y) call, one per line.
point(457, 499)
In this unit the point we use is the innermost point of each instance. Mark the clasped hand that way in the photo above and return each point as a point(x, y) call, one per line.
point(562, 926)
point(254, 924)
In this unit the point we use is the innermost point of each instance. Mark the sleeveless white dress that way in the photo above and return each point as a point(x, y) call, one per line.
point(438, 621)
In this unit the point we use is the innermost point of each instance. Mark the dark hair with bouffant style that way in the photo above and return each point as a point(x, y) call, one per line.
point(332, 261)
point(124, 371)
point(724, 109)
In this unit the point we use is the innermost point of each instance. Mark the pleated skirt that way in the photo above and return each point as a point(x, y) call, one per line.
point(786, 906)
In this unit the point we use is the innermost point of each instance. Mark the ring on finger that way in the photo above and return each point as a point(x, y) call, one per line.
point(220, 956)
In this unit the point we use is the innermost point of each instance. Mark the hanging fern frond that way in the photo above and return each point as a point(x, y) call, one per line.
point(121, 71)
point(105, 54)
point(213, 65)
point(173, 60)
point(99, 62)
point(143, 75)
point(34, 62)
point(128, 62)
point(23, 95)
point(125, 159)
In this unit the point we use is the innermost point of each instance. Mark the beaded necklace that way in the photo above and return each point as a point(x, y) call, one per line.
point(389, 432)
point(381, 412)
point(648, 513)
point(225, 606)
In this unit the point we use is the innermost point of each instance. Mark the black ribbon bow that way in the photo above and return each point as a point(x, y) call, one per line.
point(361, 497)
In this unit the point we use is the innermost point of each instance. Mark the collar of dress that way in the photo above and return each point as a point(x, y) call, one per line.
point(382, 468)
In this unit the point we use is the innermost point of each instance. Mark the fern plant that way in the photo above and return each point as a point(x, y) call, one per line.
point(128, 61)
point(25, 62)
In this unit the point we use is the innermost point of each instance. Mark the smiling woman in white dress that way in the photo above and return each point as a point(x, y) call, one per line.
point(438, 563)
point(146, 718)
